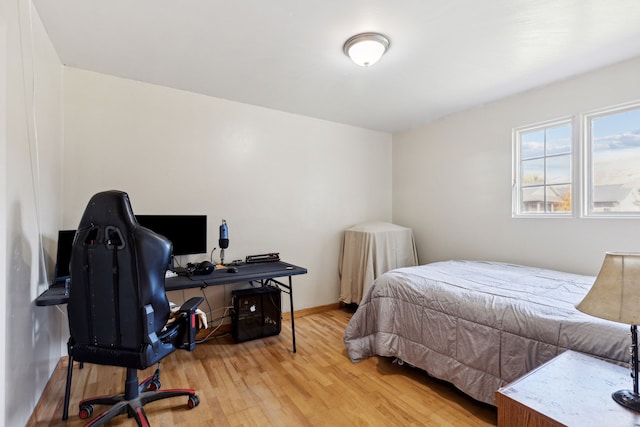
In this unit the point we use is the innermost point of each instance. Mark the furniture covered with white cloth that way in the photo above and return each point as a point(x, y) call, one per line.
point(480, 325)
point(369, 250)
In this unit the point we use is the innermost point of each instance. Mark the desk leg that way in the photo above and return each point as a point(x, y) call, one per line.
point(67, 390)
point(293, 326)
point(287, 289)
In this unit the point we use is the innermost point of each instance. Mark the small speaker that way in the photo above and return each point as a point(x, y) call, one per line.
point(256, 313)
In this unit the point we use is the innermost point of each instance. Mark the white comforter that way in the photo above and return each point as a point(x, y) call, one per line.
point(479, 325)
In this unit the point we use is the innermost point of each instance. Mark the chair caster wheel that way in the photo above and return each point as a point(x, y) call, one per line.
point(193, 401)
point(85, 411)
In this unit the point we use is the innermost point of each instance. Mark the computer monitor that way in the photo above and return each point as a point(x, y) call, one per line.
point(188, 233)
point(63, 255)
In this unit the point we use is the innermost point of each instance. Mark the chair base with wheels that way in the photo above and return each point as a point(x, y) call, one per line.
point(134, 398)
point(136, 394)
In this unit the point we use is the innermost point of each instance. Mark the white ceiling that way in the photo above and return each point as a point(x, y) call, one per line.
point(445, 55)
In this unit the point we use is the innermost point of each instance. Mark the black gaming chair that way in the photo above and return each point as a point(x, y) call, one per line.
point(118, 309)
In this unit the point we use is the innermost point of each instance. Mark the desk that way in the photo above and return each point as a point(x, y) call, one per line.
point(264, 272)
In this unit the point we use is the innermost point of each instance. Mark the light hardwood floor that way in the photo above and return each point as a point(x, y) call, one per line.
point(262, 383)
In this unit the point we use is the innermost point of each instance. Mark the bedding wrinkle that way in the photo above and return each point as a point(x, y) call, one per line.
point(479, 324)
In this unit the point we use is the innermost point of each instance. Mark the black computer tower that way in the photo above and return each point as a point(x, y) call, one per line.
point(256, 313)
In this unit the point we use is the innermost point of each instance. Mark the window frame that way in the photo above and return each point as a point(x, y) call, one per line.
point(574, 174)
point(587, 165)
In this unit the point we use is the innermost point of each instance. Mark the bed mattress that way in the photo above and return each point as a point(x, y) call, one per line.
point(478, 324)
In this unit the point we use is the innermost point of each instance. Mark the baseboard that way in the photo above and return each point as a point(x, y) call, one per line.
point(312, 310)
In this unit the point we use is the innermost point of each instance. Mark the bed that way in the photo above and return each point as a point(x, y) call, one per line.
point(479, 325)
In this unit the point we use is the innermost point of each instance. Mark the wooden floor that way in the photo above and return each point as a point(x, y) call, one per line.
point(263, 383)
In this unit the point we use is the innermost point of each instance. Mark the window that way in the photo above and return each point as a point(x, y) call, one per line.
point(542, 170)
point(609, 181)
point(612, 147)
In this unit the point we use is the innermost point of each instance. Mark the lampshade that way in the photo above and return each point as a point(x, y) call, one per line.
point(366, 49)
point(615, 295)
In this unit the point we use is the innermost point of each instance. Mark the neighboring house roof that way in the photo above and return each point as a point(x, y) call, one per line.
point(610, 193)
point(536, 194)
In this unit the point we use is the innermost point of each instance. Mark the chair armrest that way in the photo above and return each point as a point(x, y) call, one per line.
point(191, 322)
point(191, 305)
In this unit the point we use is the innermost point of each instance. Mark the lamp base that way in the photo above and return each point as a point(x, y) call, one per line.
point(628, 399)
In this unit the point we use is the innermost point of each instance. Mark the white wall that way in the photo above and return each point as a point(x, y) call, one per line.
point(452, 181)
point(4, 107)
point(31, 209)
point(284, 183)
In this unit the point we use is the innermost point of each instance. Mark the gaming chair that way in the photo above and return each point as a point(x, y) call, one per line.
point(118, 309)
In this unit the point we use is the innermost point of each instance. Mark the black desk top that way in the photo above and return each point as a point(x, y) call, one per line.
point(53, 296)
point(246, 272)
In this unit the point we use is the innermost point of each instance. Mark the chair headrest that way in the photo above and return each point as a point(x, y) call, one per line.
point(109, 208)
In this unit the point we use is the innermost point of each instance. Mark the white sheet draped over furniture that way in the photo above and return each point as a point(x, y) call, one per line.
point(480, 325)
point(369, 250)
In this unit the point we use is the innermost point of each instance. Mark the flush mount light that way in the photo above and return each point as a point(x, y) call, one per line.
point(366, 49)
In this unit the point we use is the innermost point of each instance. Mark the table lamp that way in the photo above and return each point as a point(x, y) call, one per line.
point(615, 295)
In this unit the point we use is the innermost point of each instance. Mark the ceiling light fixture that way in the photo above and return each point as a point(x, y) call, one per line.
point(366, 49)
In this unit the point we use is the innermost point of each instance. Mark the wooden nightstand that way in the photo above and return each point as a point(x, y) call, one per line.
point(573, 389)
